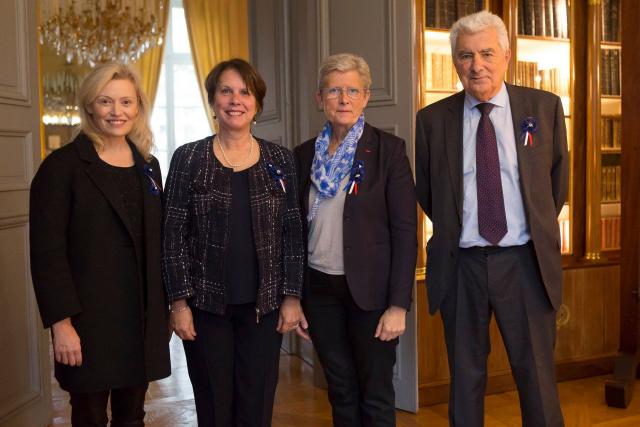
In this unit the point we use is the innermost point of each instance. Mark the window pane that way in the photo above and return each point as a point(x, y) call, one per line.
point(161, 94)
point(180, 36)
point(178, 114)
point(190, 125)
point(185, 86)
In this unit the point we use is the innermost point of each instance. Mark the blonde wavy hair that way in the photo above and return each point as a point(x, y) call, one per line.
point(90, 88)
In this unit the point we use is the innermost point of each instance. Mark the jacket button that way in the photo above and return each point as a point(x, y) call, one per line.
point(347, 218)
point(347, 248)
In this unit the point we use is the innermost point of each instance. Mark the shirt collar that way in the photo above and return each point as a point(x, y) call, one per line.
point(500, 100)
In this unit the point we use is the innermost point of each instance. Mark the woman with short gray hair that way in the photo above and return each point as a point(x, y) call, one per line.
point(357, 194)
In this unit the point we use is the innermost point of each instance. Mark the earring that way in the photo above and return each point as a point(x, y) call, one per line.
point(255, 120)
point(215, 117)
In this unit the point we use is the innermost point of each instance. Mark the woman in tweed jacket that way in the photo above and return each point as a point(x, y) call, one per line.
point(233, 254)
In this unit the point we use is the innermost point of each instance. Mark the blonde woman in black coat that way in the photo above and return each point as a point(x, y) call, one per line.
point(95, 219)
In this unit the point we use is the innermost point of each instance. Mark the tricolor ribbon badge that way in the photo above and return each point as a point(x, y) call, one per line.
point(528, 126)
point(356, 177)
point(277, 174)
point(154, 189)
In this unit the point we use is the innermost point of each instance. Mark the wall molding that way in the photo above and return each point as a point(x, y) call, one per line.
point(384, 87)
point(34, 386)
point(18, 92)
point(22, 180)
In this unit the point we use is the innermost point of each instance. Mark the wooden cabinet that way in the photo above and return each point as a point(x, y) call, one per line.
point(571, 48)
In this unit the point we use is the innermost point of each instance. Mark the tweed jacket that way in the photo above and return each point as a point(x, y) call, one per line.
point(196, 227)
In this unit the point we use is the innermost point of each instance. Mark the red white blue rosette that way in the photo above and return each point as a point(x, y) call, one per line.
point(356, 177)
point(528, 126)
point(277, 175)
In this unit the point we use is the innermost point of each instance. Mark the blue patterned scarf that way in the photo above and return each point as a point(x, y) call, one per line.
point(328, 171)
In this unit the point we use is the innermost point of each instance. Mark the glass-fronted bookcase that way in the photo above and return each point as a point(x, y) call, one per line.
point(542, 52)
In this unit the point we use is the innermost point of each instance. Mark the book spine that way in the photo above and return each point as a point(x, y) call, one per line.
point(430, 11)
point(538, 9)
point(606, 20)
point(548, 19)
point(529, 18)
point(615, 72)
point(614, 20)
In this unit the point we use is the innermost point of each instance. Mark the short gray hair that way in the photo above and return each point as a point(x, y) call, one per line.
point(476, 22)
point(344, 62)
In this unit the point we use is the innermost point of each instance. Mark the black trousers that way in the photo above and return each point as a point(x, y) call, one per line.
point(127, 407)
point(505, 282)
point(358, 367)
point(233, 366)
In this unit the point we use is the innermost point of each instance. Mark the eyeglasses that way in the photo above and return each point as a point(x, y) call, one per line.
point(335, 92)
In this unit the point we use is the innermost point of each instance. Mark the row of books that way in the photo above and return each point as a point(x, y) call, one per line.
point(548, 18)
point(610, 184)
point(441, 74)
point(611, 20)
point(443, 13)
point(610, 232)
point(552, 80)
point(610, 133)
point(610, 71)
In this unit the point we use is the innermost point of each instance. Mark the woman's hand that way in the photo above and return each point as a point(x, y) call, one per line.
point(66, 343)
point(292, 317)
point(182, 320)
point(391, 324)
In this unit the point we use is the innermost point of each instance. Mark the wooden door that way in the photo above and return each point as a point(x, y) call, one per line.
point(25, 390)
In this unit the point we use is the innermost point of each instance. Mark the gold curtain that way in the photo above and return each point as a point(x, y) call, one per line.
point(218, 30)
point(150, 63)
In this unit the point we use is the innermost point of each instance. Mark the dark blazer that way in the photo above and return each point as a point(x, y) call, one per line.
point(544, 177)
point(379, 223)
point(86, 265)
point(196, 231)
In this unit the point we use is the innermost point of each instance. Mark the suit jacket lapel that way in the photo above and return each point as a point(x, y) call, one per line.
point(365, 152)
point(305, 173)
point(152, 206)
point(453, 148)
point(518, 112)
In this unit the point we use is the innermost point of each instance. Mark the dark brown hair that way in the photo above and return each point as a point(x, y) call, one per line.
point(250, 75)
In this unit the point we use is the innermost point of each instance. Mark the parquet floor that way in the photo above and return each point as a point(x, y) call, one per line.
point(300, 404)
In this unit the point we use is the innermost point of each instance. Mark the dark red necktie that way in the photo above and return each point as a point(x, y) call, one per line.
point(492, 220)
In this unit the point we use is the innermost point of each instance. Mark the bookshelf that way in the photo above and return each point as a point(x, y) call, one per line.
point(541, 59)
point(438, 76)
point(610, 127)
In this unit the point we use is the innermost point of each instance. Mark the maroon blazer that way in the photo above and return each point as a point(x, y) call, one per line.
point(379, 223)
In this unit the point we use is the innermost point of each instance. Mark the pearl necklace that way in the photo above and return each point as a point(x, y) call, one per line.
point(224, 155)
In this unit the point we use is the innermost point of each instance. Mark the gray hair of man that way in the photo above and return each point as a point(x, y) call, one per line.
point(344, 62)
point(477, 22)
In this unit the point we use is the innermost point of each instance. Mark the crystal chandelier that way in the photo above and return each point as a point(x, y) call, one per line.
point(60, 99)
point(95, 31)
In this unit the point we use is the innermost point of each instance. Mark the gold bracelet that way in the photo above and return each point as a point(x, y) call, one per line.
point(179, 309)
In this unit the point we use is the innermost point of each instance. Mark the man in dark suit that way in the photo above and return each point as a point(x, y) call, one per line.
point(492, 175)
